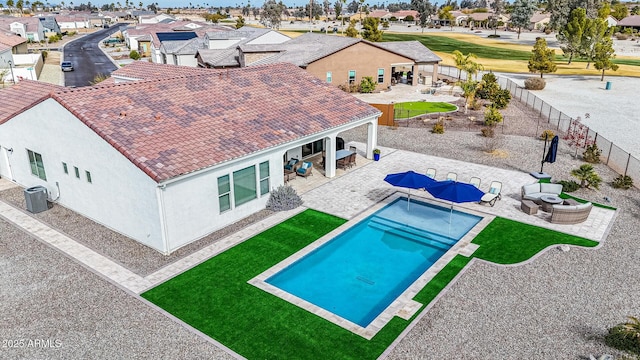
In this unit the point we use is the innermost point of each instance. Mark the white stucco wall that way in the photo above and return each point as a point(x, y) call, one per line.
point(192, 208)
point(222, 44)
point(272, 37)
point(120, 196)
point(187, 60)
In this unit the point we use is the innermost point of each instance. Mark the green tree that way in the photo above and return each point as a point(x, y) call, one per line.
point(587, 176)
point(370, 30)
point(337, 7)
point(570, 37)
point(445, 14)
point(351, 29)
point(604, 53)
point(239, 22)
point(367, 85)
point(271, 16)
point(20, 5)
point(595, 31)
point(498, 9)
point(469, 88)
point(620, 11)
point(492, 116)
point(521, 14)
point(472, 68)
point(461, 60)
point(424, 9)
point(542, 58)
point(134, 55)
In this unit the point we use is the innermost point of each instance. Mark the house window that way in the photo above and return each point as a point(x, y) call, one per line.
point(37, 167)
point(77, 171)
point(380, 76)
point(352, 76)
point(224, 190)
point(264, 178)
point(244, 185)
point(329, 77)
point(88, 174)
point(65, 168)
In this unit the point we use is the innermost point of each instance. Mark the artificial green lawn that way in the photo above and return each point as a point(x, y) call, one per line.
point(215, 298)
point(448, 45)
point(414, 108)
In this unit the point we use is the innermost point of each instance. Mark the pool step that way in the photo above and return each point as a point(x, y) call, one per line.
point(412, 233)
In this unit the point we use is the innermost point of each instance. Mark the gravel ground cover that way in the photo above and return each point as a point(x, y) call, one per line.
point(53, 308)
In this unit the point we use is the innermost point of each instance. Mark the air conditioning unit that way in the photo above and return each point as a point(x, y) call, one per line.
point(36, 198)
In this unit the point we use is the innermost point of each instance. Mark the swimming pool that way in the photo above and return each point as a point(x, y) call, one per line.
point(360, 272)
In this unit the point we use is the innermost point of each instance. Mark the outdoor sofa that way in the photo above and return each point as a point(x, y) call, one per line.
point(570, 214)
point(535, 191)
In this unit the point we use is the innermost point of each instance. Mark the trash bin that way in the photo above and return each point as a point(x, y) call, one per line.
point(608, 87)
point(36, 198)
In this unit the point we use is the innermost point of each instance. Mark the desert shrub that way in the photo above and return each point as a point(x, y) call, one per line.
point(284, 198)
point(134, 55)
point(620, 36)
point(393, 18)
point(592, 154)
point(438, 128)
point(587, 175)
point(492, 117)
point(622, 182)
point(475, 104)
point(549, 134)
point(534, 83)
point(547, 31)
point(623, 338)
point(44, 53)
point(491, 36)
point(488, 86)
point(501, 98)
point(569, 185)
point(491, 144)
point(488, 131)
point(367, 85)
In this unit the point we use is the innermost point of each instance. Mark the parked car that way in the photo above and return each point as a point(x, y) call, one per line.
point(66, 66)
point(110, 41)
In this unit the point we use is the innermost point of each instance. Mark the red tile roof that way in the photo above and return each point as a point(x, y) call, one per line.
point(11, 39)
point(143, 70)
point(22, 96)
point(176, 125)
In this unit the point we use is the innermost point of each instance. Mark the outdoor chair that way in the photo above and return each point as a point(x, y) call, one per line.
point(353, 149)
point(475, 181)
point(431, 172)
point(352, 160)
point(305, 169)
point(343, 163)
point(290, 165)
point(452, 176)
point(494, 193)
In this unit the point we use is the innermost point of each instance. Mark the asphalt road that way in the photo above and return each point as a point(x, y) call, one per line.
point(88, 61)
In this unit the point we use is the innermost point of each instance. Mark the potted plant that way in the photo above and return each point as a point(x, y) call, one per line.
point(376, 154)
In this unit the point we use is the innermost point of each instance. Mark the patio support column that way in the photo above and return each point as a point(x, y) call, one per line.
point(330, 156)
point(414, 78)
point(434, 76)
point(372, 137)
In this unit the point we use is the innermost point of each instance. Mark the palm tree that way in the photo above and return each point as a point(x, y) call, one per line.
point(587, 176)
point(465, 62)
point(632, 328)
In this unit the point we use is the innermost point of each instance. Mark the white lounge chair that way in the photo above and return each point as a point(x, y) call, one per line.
point(475, 181)
point(494, 193)
point(431, 172)
point(452, 176)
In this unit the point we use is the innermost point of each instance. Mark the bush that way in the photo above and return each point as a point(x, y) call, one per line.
point(409, 18)
point(534, 83)
point(134, 55)
point(44, 53)
point(501, 98)
point(492, 36)
point(488, 86)
point(438, 128)
point(569, 185)
point(367, 85)
point(549, 134)
point(393, 18)
point(492, 117)
point(619, 338)
point(587, 175)
point(622, 182)
point(487, 131)
point(592, 154)
point(620, 36)
point(283, 198)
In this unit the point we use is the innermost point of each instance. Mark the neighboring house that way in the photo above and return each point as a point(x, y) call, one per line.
point(632, 21)
point(539, 21)
point(181, 52)
point(222, 47)
point(11, 45)
point(342, 60)
point(155, 19)
point(479, 20)
point(611, 21)
point(71, 23)
point(17, 44)
point(168, 159)
point(30, 28)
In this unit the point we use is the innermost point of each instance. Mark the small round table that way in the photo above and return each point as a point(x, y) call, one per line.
point(548, 201)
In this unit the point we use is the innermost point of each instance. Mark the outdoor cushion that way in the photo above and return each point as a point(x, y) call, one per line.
point(494, 190)
point(305, 165)
point(290, 164)
point(531, 188)
point(550, 188)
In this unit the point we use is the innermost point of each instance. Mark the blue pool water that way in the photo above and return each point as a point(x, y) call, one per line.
point(360, 272)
